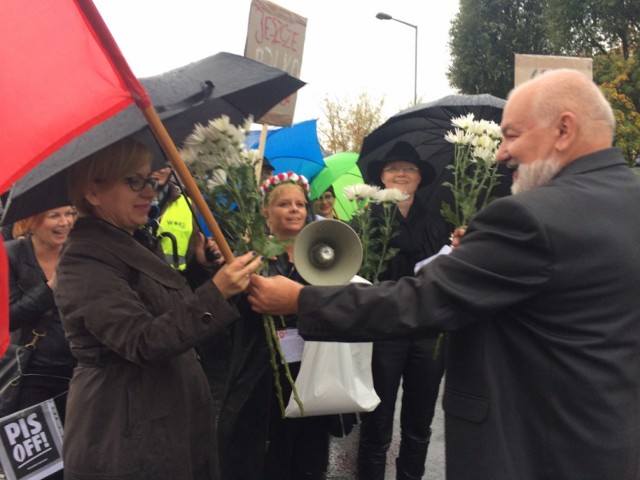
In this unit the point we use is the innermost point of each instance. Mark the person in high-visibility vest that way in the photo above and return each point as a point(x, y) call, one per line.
point(172, 221)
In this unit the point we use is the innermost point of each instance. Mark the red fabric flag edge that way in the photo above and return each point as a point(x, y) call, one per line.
point(4, 306)
point(97, 27)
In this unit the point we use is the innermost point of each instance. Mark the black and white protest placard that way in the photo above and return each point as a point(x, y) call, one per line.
point(32, 442)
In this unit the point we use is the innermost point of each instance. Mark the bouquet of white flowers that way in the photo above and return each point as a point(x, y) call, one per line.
point(225, 172)
point(475, 171)
point(375, 237)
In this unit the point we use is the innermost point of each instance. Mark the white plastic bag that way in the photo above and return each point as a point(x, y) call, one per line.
point(334, 378)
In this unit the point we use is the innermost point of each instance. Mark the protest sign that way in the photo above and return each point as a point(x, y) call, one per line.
point(275, 37)
point(31, 442)
point(530, 66)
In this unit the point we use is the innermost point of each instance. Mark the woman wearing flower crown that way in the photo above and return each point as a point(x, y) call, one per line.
point(255, 442)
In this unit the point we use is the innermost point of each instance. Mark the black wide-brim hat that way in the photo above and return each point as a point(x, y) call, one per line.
point(404, 152)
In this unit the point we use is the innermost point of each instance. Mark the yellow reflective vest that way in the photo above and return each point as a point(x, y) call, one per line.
point(175, 227)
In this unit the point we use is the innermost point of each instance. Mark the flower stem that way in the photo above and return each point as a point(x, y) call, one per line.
point(275, 353)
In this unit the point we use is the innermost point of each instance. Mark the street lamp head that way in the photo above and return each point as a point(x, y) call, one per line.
point(386, 16)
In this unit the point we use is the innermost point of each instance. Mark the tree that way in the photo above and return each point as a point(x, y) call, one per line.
point(594, 27)
point(486, 35)
point(619, 79)
point(347, 123)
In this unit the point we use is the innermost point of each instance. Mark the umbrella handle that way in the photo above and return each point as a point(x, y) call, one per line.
point(169, 148)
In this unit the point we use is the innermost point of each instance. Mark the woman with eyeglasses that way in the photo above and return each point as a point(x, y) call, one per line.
point(410, 361)
point(323, 205)
point(139, 403)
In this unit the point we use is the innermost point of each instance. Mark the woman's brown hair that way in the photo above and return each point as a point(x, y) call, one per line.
point(105, 167)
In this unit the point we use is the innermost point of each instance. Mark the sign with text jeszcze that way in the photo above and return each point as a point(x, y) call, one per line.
point(530, 66)
point(275, 37)
point(31, 442)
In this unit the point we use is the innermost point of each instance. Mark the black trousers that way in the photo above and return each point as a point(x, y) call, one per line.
point(412, 362)
point(298, 447)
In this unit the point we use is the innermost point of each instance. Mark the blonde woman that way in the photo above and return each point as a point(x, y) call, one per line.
point(254, 441)
point(33, 258)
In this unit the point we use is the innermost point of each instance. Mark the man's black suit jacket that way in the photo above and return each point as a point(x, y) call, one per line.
point(542, 304)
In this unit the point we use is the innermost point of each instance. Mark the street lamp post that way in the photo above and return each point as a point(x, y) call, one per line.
point(386, 16)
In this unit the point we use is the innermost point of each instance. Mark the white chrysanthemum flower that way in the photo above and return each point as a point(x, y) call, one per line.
point(476, 128)
point(483, 141)
point(360, 191)
point(251, 156)
point(197, 137)
point(458, 137)
point(494, 130)
point(464, 122)
point(483, 125)
point(234, 135)
point(218, 177)
point(247, 123)
point(218, 145)
point(222, 124)
point(234, 158)
point(189, 155)
point(390, 195)
point(486, 155)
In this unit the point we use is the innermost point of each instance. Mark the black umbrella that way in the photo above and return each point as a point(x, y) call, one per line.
point(424, 126)
point(221, 84)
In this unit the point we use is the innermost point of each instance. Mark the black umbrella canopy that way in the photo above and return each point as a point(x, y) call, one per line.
point(223, 84)
point(424, 126)
point(231, 85)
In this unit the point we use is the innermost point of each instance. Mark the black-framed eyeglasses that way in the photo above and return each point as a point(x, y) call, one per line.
point(138, 182)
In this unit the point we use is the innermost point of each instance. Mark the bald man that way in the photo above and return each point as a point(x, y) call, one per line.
point(540, 300)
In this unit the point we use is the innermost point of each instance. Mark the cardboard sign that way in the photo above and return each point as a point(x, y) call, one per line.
point(31, 442)
point(530, 66)
point(275, 37)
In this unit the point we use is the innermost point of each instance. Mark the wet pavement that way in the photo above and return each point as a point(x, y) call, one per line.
point(343, 451)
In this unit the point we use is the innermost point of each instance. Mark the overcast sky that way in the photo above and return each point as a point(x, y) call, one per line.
point(346, 51)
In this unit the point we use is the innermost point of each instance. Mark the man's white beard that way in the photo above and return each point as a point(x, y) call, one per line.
point(535, 174)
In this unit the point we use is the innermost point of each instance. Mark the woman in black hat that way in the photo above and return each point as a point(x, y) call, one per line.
point(420, 234)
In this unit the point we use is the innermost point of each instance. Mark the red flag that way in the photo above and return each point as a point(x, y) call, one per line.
point(62, 73)
point(4, 294)
point(58, 80)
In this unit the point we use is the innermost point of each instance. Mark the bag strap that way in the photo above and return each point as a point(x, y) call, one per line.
point(40, 330)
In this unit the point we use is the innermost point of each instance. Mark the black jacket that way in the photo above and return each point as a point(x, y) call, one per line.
point(419, 235)
point(541, 303)
point(30, 299)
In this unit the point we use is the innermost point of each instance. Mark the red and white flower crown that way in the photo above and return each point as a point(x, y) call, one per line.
point(284, 177)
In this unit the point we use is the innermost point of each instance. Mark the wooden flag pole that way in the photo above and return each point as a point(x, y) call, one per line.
point(169, 148)
point(157, 127)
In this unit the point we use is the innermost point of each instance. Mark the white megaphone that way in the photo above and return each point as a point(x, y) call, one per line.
point(327, 252)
